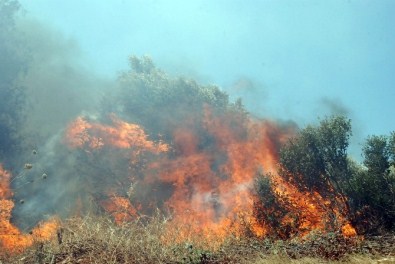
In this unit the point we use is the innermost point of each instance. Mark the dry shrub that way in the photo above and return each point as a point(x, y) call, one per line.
point(100, 240)
point(146, 240)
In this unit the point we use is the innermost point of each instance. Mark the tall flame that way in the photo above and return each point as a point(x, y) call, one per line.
point(203, 176)
point(209, 175)
point(213, 186)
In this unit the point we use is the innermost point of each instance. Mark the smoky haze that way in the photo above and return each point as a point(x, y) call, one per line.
point(79, 142)
point(84, 143)
point(44, 87)
point(57, 87)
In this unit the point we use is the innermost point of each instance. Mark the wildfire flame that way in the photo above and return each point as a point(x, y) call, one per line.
point(203, 176)
point(120, 208)
point(213, 187)
point(210, 177)
point(12, 240)
point(81, 133)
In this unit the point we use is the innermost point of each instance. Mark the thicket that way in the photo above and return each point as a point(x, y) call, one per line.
point(372, 185)
point(160, 103)
point(316, 160)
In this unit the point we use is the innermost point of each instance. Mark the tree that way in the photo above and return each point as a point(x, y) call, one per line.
point(316, 160)
point(148, 96)
point(377, 154)
point(317, 156)
point(373, 186)
point(391, 148)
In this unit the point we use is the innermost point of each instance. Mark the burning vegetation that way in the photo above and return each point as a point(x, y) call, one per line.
point(12, 240)
point(171, 150)
point(201, 166)
point(209, 167)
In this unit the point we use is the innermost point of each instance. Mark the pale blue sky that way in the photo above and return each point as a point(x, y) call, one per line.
point(290, 59)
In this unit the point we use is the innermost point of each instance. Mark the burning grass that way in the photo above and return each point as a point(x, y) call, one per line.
point(146, 240)
point(12, 240)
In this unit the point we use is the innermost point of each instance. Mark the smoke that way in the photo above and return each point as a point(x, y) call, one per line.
point(57, 85)
point(149, 140)
point(335, 106)
point(253, 94)
point(45, 84)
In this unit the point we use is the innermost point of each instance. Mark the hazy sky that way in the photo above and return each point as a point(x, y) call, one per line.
point(291, 59)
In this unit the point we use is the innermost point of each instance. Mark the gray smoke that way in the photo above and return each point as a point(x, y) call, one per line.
point(334, 106)
point(44, 85)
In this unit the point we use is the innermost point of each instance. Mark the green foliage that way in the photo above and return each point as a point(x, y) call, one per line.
point(148, 96)
point(316, 159)
point(317, 156)
point(391, 148)
point(373, 186)
point(376, 152)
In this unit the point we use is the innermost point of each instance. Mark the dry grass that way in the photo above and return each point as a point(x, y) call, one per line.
point(352, 259)
point(99, 240)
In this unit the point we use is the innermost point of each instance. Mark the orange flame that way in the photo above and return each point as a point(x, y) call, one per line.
point(81, 133)
point(5, 177)
point(120, 135)
point(211, 174)
point(212, 194)
point(12, 240)
point(120, 208)
point(348, 230)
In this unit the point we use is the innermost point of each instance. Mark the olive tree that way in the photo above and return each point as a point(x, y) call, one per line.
point(317, 156)
point(373, 186)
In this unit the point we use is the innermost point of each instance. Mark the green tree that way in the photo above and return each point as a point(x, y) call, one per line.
point(317, 156)
point(148, 96)
point(316, 160)
point(391, 147)
point(373, 186)
point(377, 154)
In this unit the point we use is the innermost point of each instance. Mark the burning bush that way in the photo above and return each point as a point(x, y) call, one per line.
point(185, 149)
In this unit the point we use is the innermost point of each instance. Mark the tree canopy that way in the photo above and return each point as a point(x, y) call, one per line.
point(318, 155)
point(316, 160)
point(150, 97)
